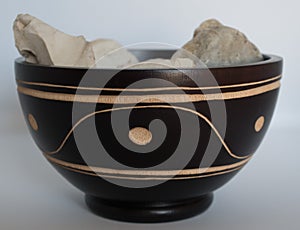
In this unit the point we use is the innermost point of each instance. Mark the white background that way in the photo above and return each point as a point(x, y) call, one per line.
point(271, 181)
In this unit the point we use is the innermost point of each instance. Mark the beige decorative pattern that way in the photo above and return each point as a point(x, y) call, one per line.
point(159, 98)
point(140, 136)
point(259, 124)
point(144, 107)
point(148, 174)
point(33, 123)
point(149, 89)
point(154, 178)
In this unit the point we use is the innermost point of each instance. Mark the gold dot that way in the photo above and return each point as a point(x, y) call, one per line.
point(140, 136)
point(259, 124)
point(33, 122)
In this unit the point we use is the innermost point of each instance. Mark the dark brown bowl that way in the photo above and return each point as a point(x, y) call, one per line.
point(248, 93)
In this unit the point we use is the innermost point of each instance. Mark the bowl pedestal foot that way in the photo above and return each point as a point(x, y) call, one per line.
point(148, 212)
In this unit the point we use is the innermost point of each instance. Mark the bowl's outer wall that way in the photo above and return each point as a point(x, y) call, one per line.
point(54, 119)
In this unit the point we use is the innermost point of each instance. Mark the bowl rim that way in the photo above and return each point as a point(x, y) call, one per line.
point(265, 70)
point(268, 59)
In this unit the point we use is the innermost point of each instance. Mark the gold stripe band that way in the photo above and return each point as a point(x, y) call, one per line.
point(148, 89)
point(148, 174)
point(159, 98)
point(182, 172)
point(154, 178)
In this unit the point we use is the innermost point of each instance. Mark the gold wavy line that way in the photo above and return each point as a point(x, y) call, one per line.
point(159, 98)
point(148, 89)
point(150, 106)
point(182, 172)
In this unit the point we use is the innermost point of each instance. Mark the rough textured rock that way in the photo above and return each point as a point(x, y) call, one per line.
point(40, 43)
point(217, 45)
point(159, 63)
point(106, 53)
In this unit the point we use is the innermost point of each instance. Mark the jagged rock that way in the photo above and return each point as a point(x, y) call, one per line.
point(159, 63)
point(217, 45)
point(40, 43)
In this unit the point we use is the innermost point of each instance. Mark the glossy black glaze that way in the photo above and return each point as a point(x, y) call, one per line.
point(54, 119)
point(155, 212)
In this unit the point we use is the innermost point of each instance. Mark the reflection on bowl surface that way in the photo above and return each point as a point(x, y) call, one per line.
point(183, 187)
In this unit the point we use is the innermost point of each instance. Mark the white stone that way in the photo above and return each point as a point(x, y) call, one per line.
point(217, 45)
point(40, 43)
point(159, 63)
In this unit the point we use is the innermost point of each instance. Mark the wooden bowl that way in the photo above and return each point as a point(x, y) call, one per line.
point(247, 92)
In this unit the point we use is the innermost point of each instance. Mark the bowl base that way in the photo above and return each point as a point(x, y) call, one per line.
point(148, 212)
